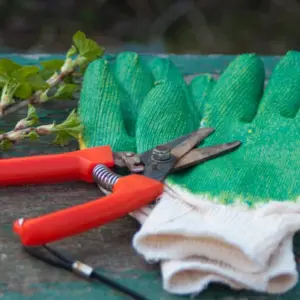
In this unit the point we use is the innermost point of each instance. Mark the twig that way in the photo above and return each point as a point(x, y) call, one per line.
point(15, 107)
point(81, 53)
point(35, 98)
point(60, 78)
point(16, 135)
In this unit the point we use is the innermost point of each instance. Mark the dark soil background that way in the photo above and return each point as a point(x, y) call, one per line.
point(177, 26)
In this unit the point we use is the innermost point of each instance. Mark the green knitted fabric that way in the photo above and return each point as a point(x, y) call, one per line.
point(110, 99)
point(200, 88)
point(266, 167)
point(117, 99)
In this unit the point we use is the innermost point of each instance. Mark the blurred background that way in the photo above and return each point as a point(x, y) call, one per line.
point(156, 26)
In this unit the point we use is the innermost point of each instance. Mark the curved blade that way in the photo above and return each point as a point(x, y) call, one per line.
point(194, 139)
point(181, 145)
point(158, 168)
point(201, 155)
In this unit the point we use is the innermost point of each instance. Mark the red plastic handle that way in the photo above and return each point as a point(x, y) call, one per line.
point(43, 169)
point(129, 193)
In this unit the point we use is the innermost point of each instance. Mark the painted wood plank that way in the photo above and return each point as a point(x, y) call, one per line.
point(108, 248)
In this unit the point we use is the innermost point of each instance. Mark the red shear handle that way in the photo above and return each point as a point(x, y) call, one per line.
point(129, 193)
point(42, 169)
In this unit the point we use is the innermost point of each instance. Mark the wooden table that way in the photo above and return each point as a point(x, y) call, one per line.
point(109, 247)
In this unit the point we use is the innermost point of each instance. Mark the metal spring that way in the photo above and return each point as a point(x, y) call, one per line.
point(105, 177)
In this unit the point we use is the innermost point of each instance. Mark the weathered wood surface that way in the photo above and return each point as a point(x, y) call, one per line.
point(107, 248)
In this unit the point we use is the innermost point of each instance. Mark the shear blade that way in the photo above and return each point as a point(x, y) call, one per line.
point(191, 142)
point(183, 144)
point(200, 155)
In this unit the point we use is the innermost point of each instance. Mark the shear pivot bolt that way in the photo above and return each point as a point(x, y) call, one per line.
point(161, 153)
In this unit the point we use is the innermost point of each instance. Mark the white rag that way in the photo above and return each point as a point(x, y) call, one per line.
point(198, 242)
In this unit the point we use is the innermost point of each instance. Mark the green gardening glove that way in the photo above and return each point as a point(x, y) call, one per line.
point(110, 99)
point(239, 211)
point(114, 92)
point(267, 165)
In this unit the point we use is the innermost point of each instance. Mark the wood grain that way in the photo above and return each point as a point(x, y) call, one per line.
point(109, 247)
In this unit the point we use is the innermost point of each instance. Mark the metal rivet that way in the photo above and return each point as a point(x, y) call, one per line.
point(161, 153)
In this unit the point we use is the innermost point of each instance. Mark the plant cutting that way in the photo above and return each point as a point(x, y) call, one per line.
point(30, 86)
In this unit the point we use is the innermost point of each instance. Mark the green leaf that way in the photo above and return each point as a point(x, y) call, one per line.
point(79, 39)
point(31, 113)
point(62, 138)
point(65, 91)
point(24, 72)
point(52, 65)
point(68, 130)
point(68, 80)
point(32, 117)
point(87, 47)
point(71, 124)
point(6, 145)
point(24, 90)
point(8, 66)
point(46, 74)
point(92, 50)
point(32, 135)
point(4, 78)
point(72, 51)
point(29, 81)
point(37, 82)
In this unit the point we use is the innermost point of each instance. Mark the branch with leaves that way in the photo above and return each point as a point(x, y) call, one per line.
point(23, 85)
point(28, 86)
point(27, 129)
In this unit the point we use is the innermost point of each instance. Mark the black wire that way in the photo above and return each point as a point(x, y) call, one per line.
point(63, 262)
point(58, 264)
point(98, 276)
point(58, 255)
point(117, 286)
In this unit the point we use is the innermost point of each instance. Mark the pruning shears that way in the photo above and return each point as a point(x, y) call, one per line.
point(142, 185)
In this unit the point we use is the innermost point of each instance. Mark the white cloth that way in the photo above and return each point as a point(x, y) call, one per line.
point(198, 242)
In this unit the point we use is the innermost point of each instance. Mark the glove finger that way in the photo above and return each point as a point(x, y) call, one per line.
point(236, 95)
point(200, 88)
point(165, 69)
point(99, 109)
point(136, 79)
point(165, 115)
point(297, 118)
point(282, 95)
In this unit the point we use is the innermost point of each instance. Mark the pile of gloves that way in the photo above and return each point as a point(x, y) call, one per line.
point(232, 219)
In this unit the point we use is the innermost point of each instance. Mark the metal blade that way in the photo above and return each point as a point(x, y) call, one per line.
point(201, 155)
point(194, 139)
point(144, 157)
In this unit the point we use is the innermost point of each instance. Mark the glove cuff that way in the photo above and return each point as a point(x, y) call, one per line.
point(192, 275)
point(184, 225)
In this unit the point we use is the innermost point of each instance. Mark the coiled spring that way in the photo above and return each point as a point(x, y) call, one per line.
point(104, 177)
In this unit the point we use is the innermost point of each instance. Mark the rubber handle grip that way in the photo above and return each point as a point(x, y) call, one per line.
point(129, 193)
point(53, 168)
